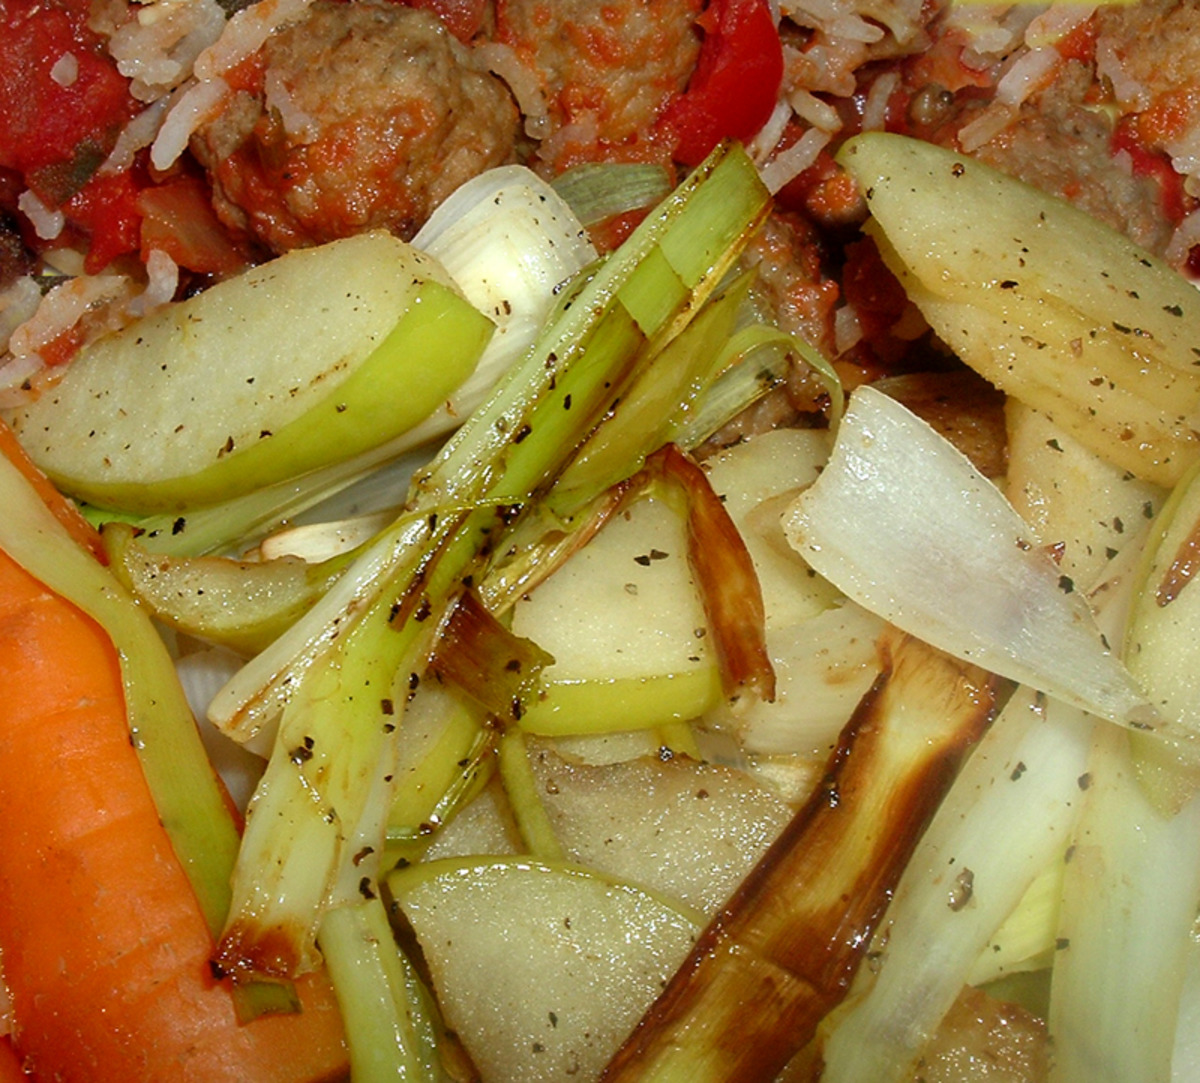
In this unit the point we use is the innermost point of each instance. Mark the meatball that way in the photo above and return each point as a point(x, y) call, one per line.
point(604, 69)
point(1065, 148)
point(358, 116)
point(1150, 49)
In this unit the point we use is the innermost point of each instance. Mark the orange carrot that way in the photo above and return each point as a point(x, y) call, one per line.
point(62, 508)
point(10, 1064)
point(104, 949)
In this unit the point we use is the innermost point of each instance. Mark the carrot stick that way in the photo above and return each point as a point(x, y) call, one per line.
point(105, 950)
point(10, 1064)
point(62, 508)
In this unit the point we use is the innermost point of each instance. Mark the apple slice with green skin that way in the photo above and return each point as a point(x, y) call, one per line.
point(1046, 302)
point(687, 829)
point(540, 969)
point(624, 620)
point(625, 624)
point(309, 359)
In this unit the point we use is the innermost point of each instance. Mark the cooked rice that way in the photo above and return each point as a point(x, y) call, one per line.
point(985, 127)
point(162, 280)
point(837, 18)
point(875, 108)
point(820, 114)
point(245, 34)
point(788, 163)
point(1056, 22)
point(504, 63)
point(138, 133)
point(761, 146)
point(1129, 92)
point(65, 70)
point(158, 48)
point(297, 123)
point(828, 66)
point(62, 307)
point(1030, 72)
point(189, 107)
point(47, 222)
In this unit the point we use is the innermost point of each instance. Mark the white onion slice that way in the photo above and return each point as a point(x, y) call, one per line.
point(509, 241)
point(902, 523)
point(1005, 819)
point(1127, 916)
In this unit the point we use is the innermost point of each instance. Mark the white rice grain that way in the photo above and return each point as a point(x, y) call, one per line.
point(1055, 23)
point(790, 163)
point(162, 282)
point(47, 221)
point(62, 307)
point(1129, 92)
point(1030, 72)
point(298, 124)
point(818, 113)
point(244, 35)
point(874, 118)
point(138, 133)
point(65, 70)
point(760, 147)
point(985, 127)
point(158, 49)
point(196, 103)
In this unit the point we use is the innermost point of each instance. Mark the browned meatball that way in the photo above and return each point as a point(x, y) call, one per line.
point(605, 68)
point(1065, 149)
point(358, 116)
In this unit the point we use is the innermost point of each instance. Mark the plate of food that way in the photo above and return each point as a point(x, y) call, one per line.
point(614, 542)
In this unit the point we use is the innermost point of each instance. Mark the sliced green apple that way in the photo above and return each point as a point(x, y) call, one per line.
point(239, 604)
point(690, 830)
point(540, 970)
point(1049, 304)
point(306, 360)
point(1074, 500)
point(626, 627)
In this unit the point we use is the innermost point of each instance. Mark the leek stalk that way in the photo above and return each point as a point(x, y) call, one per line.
point(446, 757)
point(188, 795)
point(389, 1014)
point(317, 822)
point(782, 953)
point(1000, 824)
point(532, 821)
point(1125, 925)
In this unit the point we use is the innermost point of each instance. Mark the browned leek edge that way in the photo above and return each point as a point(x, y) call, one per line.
point(783, 951)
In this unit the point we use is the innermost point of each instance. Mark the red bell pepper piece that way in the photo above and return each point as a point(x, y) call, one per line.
point(62, 100)
point(736, 82)
point(107, 210)
point(178, 218)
